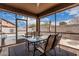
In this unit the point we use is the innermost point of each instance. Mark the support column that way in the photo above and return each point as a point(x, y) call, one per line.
point(55, 24)
point(37, 26)
point(16, 27)
point(26, 26)
point(49, 26)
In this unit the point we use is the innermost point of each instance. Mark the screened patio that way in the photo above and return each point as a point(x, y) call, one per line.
point(22, 22)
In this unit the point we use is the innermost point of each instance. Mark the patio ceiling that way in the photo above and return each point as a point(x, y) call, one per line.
point(35, 9)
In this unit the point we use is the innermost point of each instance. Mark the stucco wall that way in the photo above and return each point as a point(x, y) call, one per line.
point(64, 28)
point(8, 30)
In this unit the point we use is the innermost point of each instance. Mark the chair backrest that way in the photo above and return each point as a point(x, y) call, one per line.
point(49, 42)
point(57, 39)
point(17, 50)
point(52, 41)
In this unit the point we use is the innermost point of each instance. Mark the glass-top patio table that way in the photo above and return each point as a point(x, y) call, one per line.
point(35, 40)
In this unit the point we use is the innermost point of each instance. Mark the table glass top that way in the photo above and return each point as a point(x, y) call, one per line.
point(37, 38)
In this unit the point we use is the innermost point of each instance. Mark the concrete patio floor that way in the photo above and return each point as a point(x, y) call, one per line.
point(59, 52)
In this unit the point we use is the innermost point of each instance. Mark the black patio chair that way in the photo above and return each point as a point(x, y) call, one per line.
point(50, 44)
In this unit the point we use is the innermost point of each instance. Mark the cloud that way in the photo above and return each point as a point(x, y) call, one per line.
point(73, 11)
point(42, 22)
point(53, 23)
point(31, 21)
point(45, 19)
point(68, 21)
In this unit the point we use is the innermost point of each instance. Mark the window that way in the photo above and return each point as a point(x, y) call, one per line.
point(21, 28)
point(67, 22)
point(44, 24)
point(51, 23)
point(47, 25)
point(31, 25)
point(7, 24)
point(11, 30)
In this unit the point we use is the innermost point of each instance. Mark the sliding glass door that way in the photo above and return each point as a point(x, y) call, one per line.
point(31, 26)
point(21, 29)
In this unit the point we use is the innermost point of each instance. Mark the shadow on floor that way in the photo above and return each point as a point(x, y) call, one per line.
point(59, 52)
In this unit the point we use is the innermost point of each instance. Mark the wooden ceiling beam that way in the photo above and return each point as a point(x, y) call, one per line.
point(54, 9)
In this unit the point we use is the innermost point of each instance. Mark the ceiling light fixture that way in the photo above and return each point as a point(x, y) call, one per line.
point(38, 4)
point(35, 4)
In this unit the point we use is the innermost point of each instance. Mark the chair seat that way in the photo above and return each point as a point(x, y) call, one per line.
point(0, 49)
point(40, 49)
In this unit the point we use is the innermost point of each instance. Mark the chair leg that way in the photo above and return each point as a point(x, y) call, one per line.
point(28, 48)
point(9, 51)
point(60, 50)
point(34, 50)
point(0, 50)
point(54, 52)
point(44, 54)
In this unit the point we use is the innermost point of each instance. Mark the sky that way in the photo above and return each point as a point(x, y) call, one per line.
point(65, 16)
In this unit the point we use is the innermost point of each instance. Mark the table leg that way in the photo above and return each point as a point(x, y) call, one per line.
point(60, 49)
point(28, 48)
point(34, 50)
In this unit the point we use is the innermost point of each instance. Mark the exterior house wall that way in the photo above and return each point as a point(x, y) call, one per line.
point(8, 28)
point(44, 28)
point(7, 24)
point(8, 32)
point(69, 29)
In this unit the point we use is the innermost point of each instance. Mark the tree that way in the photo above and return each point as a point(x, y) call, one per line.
point(32, 25)
point(45, 24)
point(62, 23)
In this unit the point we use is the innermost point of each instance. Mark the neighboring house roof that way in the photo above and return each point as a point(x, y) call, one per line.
point(6, 23)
